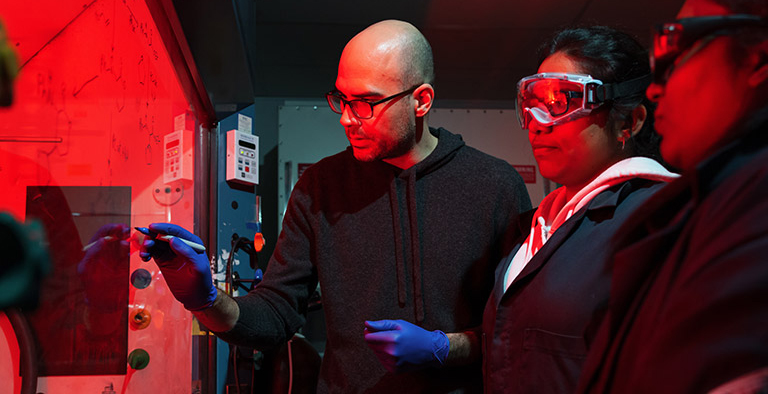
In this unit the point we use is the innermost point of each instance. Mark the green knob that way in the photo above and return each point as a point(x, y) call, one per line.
point(138, 359)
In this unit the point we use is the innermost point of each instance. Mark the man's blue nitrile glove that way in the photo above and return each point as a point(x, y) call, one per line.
point(187, 272)
point(402, 346)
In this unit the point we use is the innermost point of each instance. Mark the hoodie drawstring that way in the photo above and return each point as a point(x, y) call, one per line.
point(418, 300)
point(414, 258)
point(400, 265)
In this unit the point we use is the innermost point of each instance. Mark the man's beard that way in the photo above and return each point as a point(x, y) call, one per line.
point(401, 145)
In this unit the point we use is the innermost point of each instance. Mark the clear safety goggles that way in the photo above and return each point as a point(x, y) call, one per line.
point(557, 98)
point(670, 40)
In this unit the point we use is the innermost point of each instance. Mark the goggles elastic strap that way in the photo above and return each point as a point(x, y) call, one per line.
point(612, 91)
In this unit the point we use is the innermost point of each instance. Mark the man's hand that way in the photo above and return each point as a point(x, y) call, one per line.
point(187, 272)
point(402, 346)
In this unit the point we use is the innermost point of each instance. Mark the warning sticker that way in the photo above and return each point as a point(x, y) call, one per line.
point(528, 172)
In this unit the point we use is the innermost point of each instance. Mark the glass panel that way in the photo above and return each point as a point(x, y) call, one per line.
point(99, 138)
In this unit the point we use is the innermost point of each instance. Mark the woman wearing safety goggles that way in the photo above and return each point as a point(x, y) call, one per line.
point(590, 127)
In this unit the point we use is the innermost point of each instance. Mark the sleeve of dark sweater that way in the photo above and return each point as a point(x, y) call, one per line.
point(273, 311)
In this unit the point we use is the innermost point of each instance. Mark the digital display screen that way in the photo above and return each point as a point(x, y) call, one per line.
point(171, 144)
point(247, 144)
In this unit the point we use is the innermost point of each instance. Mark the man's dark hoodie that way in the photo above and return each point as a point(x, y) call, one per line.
point(419, 244)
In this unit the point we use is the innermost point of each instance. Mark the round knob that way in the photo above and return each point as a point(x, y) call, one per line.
point(139, 319)
point(138, 359)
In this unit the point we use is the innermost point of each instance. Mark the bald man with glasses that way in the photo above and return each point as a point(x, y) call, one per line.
point(406, 224)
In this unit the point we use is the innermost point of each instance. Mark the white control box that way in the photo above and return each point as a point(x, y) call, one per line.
point(178, 155)
point(242, 157)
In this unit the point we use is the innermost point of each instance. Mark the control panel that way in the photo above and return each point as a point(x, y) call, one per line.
point(178, 151)
point(242, 157)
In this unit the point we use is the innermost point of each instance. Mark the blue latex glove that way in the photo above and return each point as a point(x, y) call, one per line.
point(402, 346)
point(187, 272)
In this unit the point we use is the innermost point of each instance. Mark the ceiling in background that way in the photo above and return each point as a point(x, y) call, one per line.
point(481, 48)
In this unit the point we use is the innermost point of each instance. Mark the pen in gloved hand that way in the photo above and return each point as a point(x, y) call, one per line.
point(167, 238)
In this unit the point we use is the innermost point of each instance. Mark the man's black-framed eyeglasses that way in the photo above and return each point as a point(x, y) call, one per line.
point(362, 109)
point(670, 40)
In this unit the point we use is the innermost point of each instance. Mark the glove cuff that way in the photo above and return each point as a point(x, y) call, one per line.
point(199, 308)
point(441, 346)
point(207, 302)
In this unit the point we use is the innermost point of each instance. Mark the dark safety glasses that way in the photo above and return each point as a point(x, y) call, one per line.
point(557, 98)
point(670, 40)
point(362, 109)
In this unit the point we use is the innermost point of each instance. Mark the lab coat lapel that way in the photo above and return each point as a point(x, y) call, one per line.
point(554, 242)
point(608, 199)
point(523, 229)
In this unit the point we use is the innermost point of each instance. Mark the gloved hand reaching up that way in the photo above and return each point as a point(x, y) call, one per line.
point(402, 346)
point(187, 272)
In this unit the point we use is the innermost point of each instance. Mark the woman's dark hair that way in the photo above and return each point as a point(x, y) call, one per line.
point(611, 56)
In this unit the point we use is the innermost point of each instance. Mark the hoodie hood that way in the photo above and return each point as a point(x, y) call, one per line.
point(447, 146)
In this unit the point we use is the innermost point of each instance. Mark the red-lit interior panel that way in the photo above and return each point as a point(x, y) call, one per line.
point(82, 151)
